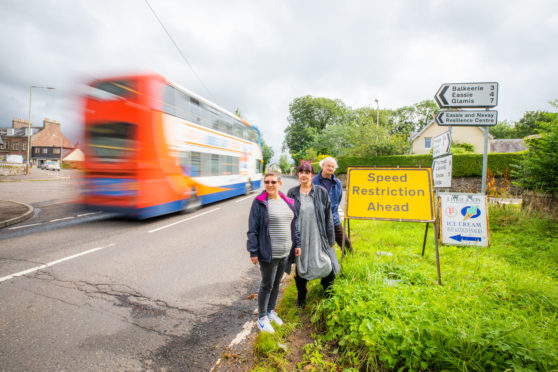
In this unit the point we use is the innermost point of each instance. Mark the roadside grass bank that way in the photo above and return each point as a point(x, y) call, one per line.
point(496, 310)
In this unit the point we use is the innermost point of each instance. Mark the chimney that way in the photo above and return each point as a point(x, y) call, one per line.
point(20, 123)
point(48, 123)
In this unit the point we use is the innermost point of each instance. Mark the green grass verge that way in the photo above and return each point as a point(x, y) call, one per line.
point(496, 310)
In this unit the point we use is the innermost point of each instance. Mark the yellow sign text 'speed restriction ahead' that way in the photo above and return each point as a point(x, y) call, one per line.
point(402, 194)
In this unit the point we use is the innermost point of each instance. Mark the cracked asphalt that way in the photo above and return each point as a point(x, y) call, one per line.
point(167, 294)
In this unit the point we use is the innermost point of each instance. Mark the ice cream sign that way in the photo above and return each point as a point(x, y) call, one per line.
point(464, 219)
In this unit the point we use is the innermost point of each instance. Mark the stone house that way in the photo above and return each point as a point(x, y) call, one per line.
point(421, 142)
point(47, 143)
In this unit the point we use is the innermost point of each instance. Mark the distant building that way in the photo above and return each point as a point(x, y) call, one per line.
point(273, 167)
point(47, 143)
point(422, 140)
point(507, 145)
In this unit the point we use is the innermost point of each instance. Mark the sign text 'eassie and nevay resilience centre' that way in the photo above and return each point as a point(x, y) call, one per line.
point(402, 194)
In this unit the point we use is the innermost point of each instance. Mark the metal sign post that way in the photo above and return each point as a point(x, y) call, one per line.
point(469, 95)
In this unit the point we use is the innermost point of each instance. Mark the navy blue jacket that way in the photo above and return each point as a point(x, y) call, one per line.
point(335, 195)
point(259, 241)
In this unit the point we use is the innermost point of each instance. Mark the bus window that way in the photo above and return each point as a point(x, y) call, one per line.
point(168, 98)
point(185, 163)
point(215, 165)
point(235, 165)
point(226, 165)
point(195, 164)
point(195, 109)
point(213, 118)
point(239, 130)
point(111, 142)
point(183, 109)
point(113, 89)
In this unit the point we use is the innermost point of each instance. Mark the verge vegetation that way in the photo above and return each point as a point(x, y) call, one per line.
point(496, 310)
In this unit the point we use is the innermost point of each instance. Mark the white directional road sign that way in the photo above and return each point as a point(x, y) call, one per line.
point(469, 95)
point(475, 118)
point(464, 219)
point(441, 145)
point(441, 171)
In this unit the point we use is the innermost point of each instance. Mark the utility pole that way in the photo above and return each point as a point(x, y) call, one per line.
point(29, 125)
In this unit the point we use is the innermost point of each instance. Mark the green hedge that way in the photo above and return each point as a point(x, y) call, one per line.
point(464, 165)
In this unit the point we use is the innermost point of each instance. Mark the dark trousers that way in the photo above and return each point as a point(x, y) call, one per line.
point(340, 235)
point(272, 272)
point(302, 290)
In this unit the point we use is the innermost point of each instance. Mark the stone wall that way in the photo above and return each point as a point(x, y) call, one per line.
point(544, 203)
point(12, 169)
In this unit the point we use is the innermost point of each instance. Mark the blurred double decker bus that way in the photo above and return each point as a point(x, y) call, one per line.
point(153, 147)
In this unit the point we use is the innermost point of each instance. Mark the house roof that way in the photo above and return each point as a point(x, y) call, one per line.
point(18, 132)
point(507, 145)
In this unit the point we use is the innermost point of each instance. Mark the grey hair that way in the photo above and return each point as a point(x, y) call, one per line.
point(325, 160)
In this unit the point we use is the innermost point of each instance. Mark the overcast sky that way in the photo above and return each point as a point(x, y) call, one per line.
point(258, 56)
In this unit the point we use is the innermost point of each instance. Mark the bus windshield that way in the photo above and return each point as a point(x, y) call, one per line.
point(113, 89)
point(111, 142)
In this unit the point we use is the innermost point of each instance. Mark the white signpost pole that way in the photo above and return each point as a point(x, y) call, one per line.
point(455, 96)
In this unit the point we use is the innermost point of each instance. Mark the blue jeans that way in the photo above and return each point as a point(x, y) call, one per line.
point(272, 272)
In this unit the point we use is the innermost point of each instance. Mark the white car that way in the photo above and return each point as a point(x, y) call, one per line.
point(52, 165)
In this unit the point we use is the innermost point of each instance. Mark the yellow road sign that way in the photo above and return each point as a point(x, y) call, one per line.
point(401, 194)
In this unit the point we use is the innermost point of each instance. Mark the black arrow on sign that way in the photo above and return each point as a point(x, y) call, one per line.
point(440, 118)
point(442, 102)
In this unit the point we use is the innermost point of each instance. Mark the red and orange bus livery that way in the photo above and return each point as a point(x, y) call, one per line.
point(154, 148)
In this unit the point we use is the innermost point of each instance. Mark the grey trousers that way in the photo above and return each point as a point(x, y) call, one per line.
point(272, 273)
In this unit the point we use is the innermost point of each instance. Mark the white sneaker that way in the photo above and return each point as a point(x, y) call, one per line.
point(264, 325)
point(275, 318)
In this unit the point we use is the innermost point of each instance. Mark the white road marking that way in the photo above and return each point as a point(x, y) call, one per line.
point(33, 269)
point(20, 227)
point(184, 220)
point(61, 219)
point(86, 214)
point(246, 329)
point(248, 197)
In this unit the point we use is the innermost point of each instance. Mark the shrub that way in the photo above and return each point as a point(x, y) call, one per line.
point(539, 168)
point(464, 165)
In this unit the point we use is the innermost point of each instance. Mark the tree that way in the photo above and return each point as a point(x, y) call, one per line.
point(531, 122)
point(409, 119)
point(539, 168)
point(267, 154)
point(308, 116)
point(371, 141)
point(502, 130)
point(284, 164)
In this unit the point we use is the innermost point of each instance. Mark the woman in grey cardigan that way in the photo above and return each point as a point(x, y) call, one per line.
point(317, 236)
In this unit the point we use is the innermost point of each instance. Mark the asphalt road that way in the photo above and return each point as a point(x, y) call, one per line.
point(94, 292)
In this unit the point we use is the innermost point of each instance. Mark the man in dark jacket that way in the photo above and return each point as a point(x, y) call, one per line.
point(327, 179)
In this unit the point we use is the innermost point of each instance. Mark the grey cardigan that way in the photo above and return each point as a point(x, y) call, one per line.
point(322, 205)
